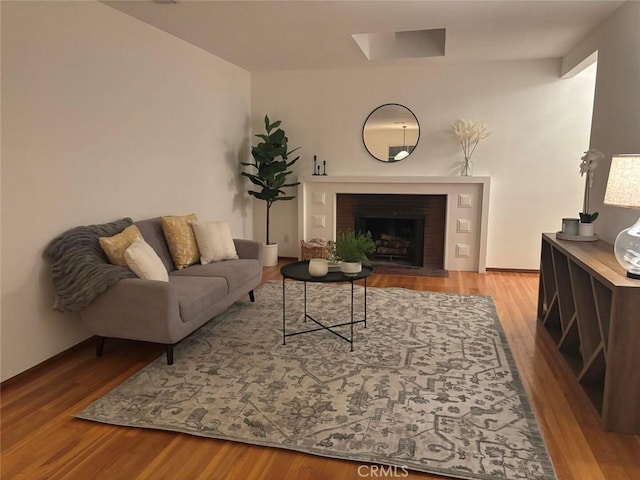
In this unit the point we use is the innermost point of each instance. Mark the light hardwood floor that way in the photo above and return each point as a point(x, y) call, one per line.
point(41, 440)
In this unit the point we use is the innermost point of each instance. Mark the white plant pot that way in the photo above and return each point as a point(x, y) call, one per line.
point(350, 268)
point(270, 255)
point(586, 229)
point(318, 267)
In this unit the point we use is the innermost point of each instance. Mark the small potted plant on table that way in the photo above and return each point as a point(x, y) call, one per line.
point(351, 250)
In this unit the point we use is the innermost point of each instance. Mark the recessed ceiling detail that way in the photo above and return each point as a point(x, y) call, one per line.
point(477, 31)
point(410, 44)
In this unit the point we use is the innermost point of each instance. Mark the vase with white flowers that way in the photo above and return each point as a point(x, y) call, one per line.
point(589, 162)
point(469, 134)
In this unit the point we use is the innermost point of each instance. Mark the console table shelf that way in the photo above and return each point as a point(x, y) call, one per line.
point(591, 310)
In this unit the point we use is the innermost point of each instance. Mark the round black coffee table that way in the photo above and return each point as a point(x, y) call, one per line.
point(299, 271)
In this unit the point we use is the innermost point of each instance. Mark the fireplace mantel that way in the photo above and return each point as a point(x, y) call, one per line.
point(391, 179)
point(466, 217)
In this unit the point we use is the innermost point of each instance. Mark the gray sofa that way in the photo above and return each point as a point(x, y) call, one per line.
point(166, 313)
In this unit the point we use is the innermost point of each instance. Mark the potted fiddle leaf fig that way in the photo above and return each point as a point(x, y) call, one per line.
point(352, 250)
point(269, 172)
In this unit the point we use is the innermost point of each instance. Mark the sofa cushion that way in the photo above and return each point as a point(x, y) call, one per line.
point(115, 246)
point(197, 294)
point(151, 230)
point(181, 239)
point(235, 272)
point(145, 262)
point(214, 241)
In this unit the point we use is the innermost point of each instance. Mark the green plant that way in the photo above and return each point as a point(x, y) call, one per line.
point(588, 217)
point(351, 247)
point(271, 164)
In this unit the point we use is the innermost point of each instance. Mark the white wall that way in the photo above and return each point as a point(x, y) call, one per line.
point(103, 117)
point(540, 126)
point(616, 111)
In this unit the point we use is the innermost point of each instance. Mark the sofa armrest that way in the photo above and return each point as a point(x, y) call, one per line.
point(136, 309)
point(248, 249)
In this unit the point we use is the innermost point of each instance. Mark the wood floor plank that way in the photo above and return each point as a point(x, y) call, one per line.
point(41, 440)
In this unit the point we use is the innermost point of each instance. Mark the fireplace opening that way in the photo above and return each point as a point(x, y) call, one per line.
point(402, 210)
point(399, 238)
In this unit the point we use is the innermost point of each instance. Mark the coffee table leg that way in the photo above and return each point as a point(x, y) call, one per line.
point(352, 315)
point(305, 302)
point(284, 303)
point(365, 302)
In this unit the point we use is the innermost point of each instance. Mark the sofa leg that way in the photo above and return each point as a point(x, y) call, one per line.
point(100, 346)
point(169, 350)
point(252, 296)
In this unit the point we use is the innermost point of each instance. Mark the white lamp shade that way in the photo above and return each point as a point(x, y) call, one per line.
point(623, 186)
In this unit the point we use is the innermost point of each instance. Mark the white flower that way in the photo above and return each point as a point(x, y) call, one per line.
point(590, 161)
point(469, 134)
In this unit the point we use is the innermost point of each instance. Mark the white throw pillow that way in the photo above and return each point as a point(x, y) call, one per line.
point(214, 241)
point(145, 262)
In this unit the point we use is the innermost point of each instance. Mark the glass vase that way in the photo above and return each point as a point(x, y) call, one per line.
point(466, 168)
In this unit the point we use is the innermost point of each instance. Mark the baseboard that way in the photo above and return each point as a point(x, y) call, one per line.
point(494, 269)
point(46, 363)
point(513, 270)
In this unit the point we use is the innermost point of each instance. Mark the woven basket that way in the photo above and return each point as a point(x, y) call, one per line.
point(312, 250)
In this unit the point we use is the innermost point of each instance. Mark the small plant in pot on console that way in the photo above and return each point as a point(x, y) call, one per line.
point(271, 164)
point(352, 250)
point(589, 162)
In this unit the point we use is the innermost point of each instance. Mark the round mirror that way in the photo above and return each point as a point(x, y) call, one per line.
point(391, 132)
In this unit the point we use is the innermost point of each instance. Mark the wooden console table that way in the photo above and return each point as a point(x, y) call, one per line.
point(591, 310)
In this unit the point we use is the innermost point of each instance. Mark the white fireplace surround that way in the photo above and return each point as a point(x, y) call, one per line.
point(467, 210)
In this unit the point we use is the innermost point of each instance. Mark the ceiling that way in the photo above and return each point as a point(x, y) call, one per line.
point(297, 35)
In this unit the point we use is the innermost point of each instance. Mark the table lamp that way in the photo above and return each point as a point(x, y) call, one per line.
point(623, 190)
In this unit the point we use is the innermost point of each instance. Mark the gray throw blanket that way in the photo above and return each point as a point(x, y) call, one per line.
point(79, 267)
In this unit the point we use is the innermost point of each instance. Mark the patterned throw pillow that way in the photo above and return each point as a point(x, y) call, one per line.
point(115, 246)
point(181, 239)
point(145, 262)
point(214, 241)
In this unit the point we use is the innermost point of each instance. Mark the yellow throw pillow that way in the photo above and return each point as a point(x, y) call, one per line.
point(181, 239)
point(115, 246)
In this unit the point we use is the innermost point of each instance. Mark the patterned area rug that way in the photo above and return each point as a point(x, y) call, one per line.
point(430, 386)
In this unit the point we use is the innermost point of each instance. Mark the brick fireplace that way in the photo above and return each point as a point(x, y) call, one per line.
point(409, 229)
point(454, 211)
